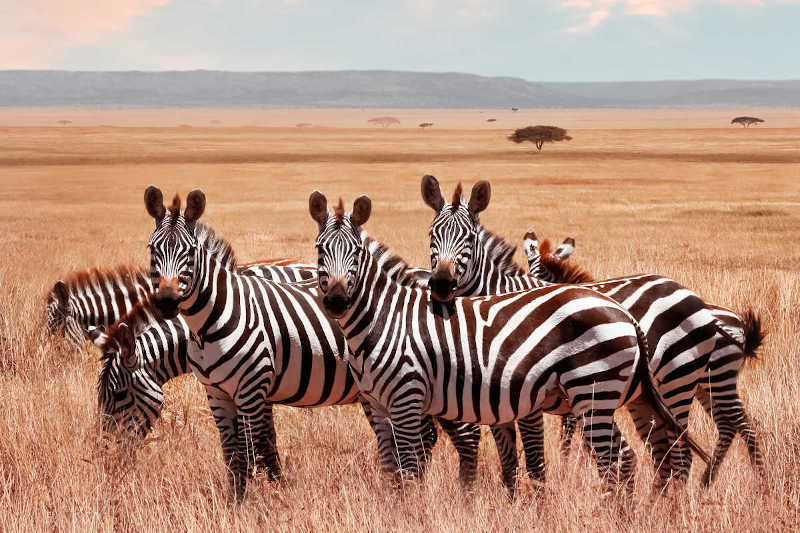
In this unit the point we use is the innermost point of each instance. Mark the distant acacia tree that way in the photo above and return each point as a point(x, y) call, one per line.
point(64, 122)
point(491, 120)
point(384, 122)
point(514, 109)
point(426, 125)
point(539, 135)
point(746, 121)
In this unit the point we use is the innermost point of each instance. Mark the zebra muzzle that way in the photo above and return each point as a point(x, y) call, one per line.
point(336, 301)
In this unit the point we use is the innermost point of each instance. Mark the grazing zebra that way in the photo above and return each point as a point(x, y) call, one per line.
point(260, 342)
point(93, 298)
point(468, 260)
point(489, 360)
point(718, 393)
point(97, 298)
point(130, 395)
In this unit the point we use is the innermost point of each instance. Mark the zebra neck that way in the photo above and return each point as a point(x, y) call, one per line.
point(375, 303)
point(493, 270)
point(213, 288)
point(163, 356)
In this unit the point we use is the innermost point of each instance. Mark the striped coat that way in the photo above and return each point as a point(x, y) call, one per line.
point(718, 394)
point(467, 259)
point(489, 360)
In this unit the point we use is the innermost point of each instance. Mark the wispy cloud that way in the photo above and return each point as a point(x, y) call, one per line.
point(36, 30)
point(592, 13)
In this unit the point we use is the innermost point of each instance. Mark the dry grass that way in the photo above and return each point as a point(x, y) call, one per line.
point(716, 209)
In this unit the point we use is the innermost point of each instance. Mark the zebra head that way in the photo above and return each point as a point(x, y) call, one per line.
point(173, 247)
point(454, 236)
point(60, 316)
point(128, 398)
point(340, 250)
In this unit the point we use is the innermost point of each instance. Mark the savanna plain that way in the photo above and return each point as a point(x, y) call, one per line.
point(679, 193)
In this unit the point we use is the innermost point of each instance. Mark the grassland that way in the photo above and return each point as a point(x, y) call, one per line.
point(715, 208)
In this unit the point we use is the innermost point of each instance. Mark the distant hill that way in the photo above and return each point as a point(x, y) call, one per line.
point(360, 89)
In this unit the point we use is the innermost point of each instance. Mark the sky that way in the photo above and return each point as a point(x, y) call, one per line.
point(538, 40)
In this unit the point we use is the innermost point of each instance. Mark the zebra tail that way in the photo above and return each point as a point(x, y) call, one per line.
point(652, 395)
point(753, 334)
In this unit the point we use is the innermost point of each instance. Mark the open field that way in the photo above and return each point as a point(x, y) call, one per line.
point(715, 207)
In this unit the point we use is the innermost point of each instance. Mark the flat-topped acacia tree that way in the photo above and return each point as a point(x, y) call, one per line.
point(746, 121)
point(539, 135)
point(384, 122)
point(426, 125)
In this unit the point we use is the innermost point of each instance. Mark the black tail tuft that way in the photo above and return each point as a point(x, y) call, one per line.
point(753, 334)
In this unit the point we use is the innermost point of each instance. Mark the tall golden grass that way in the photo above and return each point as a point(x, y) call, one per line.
point(717, 210)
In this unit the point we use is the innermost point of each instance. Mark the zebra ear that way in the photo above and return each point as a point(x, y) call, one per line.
point(531, 245)
point(195, 205)
point(565, 249)
point(318, 207)
point(97, 336)
point(362, 208)
point(154, 202)
point(127, 346)
point(432, 193)
point(479, 198)
point(61, 293)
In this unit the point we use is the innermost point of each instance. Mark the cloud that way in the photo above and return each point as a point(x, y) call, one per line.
point(591, 13)
point(37, 30)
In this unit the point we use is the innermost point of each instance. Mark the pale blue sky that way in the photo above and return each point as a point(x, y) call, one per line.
point(548, 40)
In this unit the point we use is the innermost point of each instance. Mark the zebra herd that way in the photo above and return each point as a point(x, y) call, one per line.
point(474, 341)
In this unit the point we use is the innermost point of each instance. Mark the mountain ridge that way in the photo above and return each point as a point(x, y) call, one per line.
point(374, 89)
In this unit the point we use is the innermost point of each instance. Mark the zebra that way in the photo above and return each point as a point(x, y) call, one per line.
point(130, 395)
point(718, 394)
point(259, 342)
point(468, 260)
point(487, 360)
point(96, 298)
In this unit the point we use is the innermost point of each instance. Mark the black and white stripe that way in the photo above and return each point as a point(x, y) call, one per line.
point(719, 392)
point(489, 360)
point(260, 342)
point(467, 259)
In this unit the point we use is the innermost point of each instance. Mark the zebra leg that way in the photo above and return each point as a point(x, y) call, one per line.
point(731, 418)
point(654, 433)
point(408, 428)
point(569, 424)
point(387, 446)
point(224, 411)
point(465, 438)
point(680, 456)
point(389, 460)
point(616, 462)
point(531, 429)
point(505, 437)
point(267, 458)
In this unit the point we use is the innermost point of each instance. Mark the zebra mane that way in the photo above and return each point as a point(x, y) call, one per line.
point(499, 253)
point(392, 264)
point(564, 271)
point(215, 245)
point(141, 316)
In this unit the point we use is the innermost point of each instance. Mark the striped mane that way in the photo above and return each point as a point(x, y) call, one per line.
point(563, 271)
point(215, 245)
point(499, 253)
point(393, 265)
point(141, 316)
